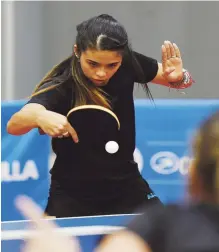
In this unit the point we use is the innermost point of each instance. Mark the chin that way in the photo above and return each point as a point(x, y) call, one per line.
point(100, 84)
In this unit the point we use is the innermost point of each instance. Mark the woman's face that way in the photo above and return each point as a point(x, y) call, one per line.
point(100, 65)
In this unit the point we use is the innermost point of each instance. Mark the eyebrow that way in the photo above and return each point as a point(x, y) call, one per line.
point(91, 61)
point(117, 62)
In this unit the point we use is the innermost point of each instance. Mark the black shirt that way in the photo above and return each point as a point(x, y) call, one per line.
point(176, 228)
point(72, 163)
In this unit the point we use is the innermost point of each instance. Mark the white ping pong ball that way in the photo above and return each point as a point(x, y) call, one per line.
point(111, 147)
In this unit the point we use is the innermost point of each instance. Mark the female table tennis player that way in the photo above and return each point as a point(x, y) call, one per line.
point(191, 227)
point(102, 70)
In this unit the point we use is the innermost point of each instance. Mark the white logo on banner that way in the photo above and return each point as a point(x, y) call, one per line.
point(168, 162)
point(139, 159)
point(14, 172)
point(52, 158)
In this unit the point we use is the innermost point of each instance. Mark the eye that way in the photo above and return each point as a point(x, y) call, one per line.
point(92, 63)
point(113, 65)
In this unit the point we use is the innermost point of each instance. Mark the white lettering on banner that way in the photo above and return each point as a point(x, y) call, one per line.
point(139, 159)
point(14, 172)
point(168, 162)
point(52, 158)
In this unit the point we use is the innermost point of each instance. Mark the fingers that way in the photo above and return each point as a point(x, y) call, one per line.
point(164, 57)
point(66, 130)
point(32, 211)
point(167, 46)
point(45, 238)
point(177, 51)
point(62, 131)
point(66, 134)
point(27, 208)
point(57, 125)
point(73, 133)
point(171, 50)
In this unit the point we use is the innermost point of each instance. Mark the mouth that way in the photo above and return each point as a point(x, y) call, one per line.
point(99, 82)
point(96, 80)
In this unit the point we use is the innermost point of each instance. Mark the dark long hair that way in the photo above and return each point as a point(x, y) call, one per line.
point(206, 152)
point(102, 33)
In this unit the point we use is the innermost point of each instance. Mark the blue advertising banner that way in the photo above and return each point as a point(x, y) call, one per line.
point(164, 134)
point(24, 165)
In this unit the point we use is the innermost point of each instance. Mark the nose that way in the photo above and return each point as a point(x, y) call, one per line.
point(101, 73)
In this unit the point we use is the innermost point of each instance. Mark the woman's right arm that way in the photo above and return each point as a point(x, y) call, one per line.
point(25, 120)
point(42, 111)
point(35, 115)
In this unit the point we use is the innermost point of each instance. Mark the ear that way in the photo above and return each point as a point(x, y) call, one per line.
point(76, 51)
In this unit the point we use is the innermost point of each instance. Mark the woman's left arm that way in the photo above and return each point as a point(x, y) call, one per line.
point(171, 72)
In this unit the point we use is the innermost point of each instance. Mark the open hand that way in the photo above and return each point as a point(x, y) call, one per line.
point(46, 238)
point(171, 62)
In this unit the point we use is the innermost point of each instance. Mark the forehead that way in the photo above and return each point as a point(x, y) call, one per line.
point(102, 56)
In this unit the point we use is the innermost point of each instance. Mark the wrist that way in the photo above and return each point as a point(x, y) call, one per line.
point(185, 82)
point(38, 118)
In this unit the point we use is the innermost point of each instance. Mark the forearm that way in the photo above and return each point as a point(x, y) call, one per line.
point(24, 120)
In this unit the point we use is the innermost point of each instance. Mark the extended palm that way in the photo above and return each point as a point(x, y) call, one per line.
point(171, 62)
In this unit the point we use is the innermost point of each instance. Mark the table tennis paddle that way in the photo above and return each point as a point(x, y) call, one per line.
point(97, 127)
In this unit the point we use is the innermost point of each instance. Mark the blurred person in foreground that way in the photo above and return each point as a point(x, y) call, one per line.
point(188, 227)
